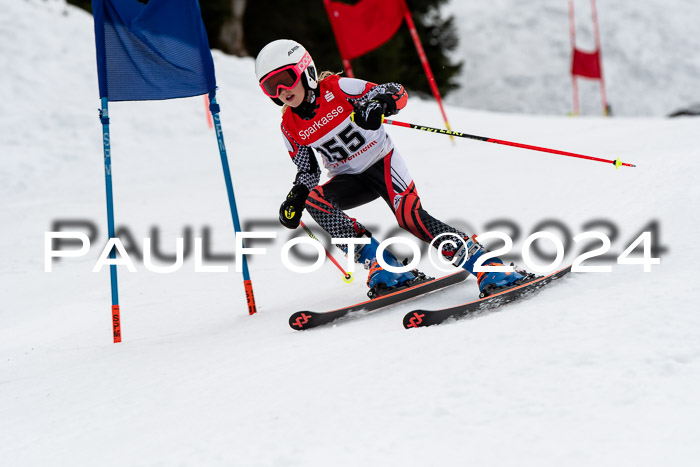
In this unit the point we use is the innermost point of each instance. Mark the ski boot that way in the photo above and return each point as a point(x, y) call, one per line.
point(380, 281)
point(490, 283)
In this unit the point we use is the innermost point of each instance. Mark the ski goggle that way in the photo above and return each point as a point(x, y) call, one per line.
point(286, 77)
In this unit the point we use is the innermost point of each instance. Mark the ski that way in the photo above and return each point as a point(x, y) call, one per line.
point(311, 319)
point(421, 318)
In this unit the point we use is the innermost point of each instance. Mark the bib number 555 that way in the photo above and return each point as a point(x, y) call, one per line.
point(340, 147)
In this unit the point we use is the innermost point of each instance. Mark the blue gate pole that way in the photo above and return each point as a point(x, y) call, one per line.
point(104, 118)
point(247, 284)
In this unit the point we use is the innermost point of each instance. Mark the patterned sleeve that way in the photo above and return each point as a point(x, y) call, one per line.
point(366, 91)
point(308, 170)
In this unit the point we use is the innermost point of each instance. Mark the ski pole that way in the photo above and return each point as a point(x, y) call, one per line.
point(347, 276)
point(617, 163)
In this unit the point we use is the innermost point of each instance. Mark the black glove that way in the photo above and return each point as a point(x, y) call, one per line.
point(293, 206)
point(389, 104)
point(369, 114)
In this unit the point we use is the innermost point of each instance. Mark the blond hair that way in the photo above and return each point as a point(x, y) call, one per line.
point(321, 77)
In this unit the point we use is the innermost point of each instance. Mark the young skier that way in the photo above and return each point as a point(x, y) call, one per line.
point(341, 119)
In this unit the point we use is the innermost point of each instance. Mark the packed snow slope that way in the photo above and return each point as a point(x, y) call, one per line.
point(517, 55)
point(600, 369)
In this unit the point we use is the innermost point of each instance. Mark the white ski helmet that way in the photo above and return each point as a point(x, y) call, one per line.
point(287, 57)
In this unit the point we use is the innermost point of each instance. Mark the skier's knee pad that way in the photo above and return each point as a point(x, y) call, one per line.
point(408, 215)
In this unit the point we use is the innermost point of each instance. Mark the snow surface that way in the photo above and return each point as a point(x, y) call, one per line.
point(517, 55)
point(600, 369)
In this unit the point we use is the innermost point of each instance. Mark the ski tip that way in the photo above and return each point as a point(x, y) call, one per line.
point(300, 320)
point(414, 319)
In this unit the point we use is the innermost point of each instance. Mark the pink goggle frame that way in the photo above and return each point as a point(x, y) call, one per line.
point(286, 77)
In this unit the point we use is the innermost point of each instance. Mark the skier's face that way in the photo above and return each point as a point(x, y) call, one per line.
point(293, 97)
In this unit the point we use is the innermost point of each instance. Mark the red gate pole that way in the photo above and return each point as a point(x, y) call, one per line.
point(426, 66)
point(573, 50)
point(600, 57)
point(210, 121)
point(348, 68)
